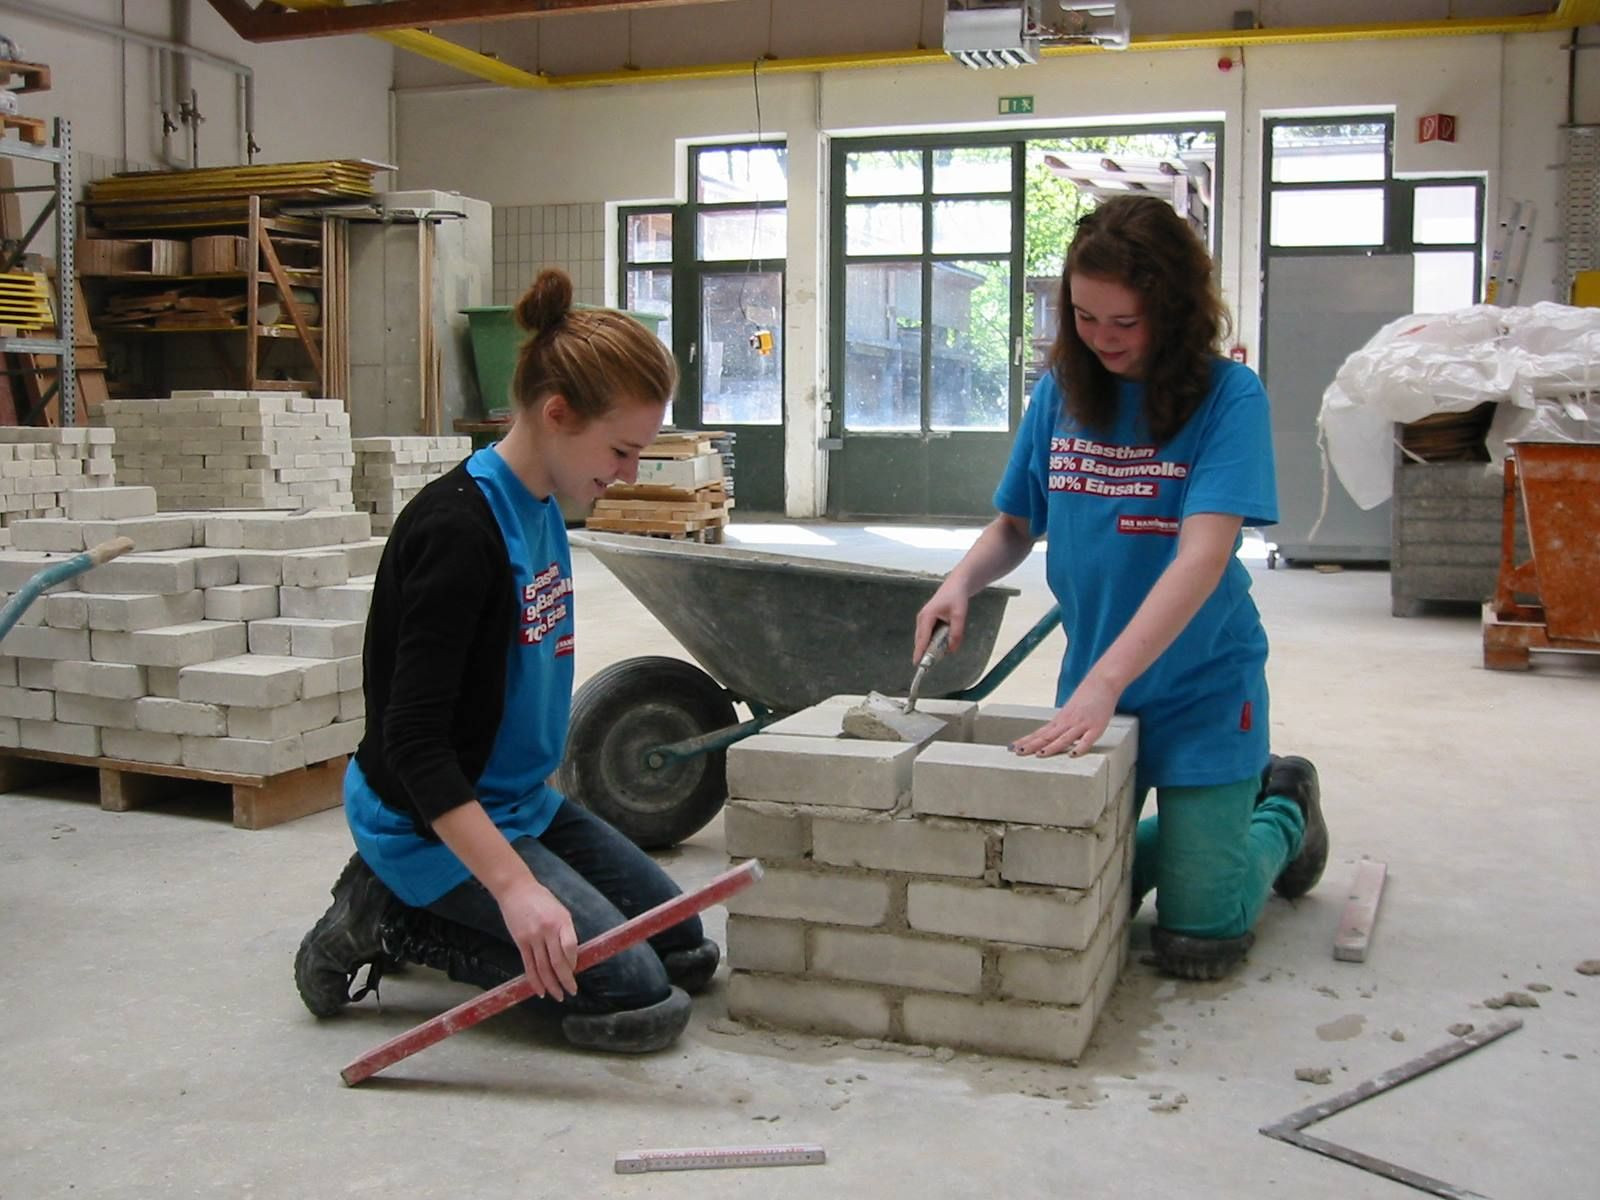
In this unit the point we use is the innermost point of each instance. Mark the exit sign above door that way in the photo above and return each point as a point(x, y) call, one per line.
point(1010, 105)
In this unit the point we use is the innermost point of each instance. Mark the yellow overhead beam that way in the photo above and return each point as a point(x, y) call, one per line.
point(1569, 14)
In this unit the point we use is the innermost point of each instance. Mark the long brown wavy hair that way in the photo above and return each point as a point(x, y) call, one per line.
point(1141, 243)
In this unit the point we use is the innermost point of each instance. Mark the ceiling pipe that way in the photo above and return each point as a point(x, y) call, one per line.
point(245, 75)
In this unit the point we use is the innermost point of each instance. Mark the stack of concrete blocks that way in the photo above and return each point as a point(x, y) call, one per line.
point(389, 471)
point(209, 449)
point(226, 642)
point(948, 893)
point(37, 466)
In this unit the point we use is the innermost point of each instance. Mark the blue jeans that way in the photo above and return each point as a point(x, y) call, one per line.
point(602, 879)
point(1211, 854)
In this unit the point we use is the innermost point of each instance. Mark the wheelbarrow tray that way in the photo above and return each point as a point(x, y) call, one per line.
point(787, 631)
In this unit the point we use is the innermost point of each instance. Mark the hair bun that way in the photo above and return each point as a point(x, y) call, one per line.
point(546, 302)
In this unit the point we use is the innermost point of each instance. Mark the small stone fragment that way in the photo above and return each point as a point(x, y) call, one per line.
point(1512, 1000)
point(944, 1054)
point(1589, 966)
point(1170, 1106)
point(1537, 987)
point(1397, 1036)
point(726, 1027)
point(1460, 1029)
point(1313, 1074)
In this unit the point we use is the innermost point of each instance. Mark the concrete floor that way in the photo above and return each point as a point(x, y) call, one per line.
point(153, 1044)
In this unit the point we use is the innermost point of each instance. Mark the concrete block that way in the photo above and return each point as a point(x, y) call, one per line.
point(1063, 977)
point(363, 557)
point(316, 569)
point(827, 719)
point(162, 681)
point(340, 602)
point(895, 960)
point(352, 706)
point(130, 614)
point(1071, 858)
point(244, 756)
point(59, 738)
point(271, 636)
point(1056, 918)
point(27, 703)
point(276, 530)
point(246, 680)
point(141, 573)
point(35, 613)
point(809, 770)
point(989, 783)
point(36, 673)
point(138, 746)
point(349, 673)
point(310, 637)
point(148, 533)
point(215, 568)
point(159, 715)
point(918, 845)
point(331, 741)
point(62, 610)
point(41, 641)
point(241, 602)
point(17, 567)
point(285, 720)
point(321, 677)
point(259, 566)
point(1002, 724)
point(995, 1027)
point(53, 534)
point(831, 898)
point(112, 681)
point(8, 671)
point(78, 709)
point(770, 832)
point(757, 945)
point(10, 733)
point(804, 1004)
point(173, 646)
point(110, 503)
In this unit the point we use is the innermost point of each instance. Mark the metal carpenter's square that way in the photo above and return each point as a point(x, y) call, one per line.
point(596, 949)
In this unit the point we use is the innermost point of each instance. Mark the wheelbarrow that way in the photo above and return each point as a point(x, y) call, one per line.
point(647, 744)
point(58, 573)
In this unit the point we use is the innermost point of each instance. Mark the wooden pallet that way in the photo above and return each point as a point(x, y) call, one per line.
point(33, 130)
point(259, 801)
point(35, 76)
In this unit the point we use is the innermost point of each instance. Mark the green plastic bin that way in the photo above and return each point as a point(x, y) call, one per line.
point(495, 342)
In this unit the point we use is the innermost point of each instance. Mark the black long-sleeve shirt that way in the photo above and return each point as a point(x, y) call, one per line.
point(443, 616)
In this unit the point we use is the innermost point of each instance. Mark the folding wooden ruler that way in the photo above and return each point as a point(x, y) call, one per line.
point(706, 1158)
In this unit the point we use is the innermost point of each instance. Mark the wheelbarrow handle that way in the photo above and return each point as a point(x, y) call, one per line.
point(57, 573)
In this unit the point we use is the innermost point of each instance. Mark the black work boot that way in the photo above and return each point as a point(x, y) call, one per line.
point(1198, 958)
point(692, 969)
point(1296, 779)
point(348, 937)
point(632, 1031)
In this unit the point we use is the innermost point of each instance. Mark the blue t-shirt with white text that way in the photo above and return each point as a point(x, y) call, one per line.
point(538, 702)
point(1111, 503)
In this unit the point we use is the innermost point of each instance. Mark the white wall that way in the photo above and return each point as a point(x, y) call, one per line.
point(319, 99)
point(626, 143)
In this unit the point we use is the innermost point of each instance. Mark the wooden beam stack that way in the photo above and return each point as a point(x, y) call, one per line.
point(682, 491)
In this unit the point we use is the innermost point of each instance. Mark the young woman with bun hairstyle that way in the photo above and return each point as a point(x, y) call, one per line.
point(466, 858)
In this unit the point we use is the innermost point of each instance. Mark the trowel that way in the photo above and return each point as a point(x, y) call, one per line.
point(881, 718)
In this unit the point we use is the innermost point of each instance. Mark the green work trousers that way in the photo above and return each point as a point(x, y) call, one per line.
point(1211, 854)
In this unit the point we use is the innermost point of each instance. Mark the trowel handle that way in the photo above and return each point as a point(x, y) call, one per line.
point(937, 645)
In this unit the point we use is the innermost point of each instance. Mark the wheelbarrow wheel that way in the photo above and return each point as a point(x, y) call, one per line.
point(618, 717)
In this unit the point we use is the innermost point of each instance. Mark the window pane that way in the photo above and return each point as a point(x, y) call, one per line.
point(883, 173)
point(1328, 217)
point(970, 375)
point(1443, 281)
point(972, 169)
point(740, 175)
point(883, 346)
point(649, 237)
point(1445, 214)
point(1327, 153)
point(972, 227)
point(738, 384)
point(883, 229)
point(744, 234)
point(651, 292)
